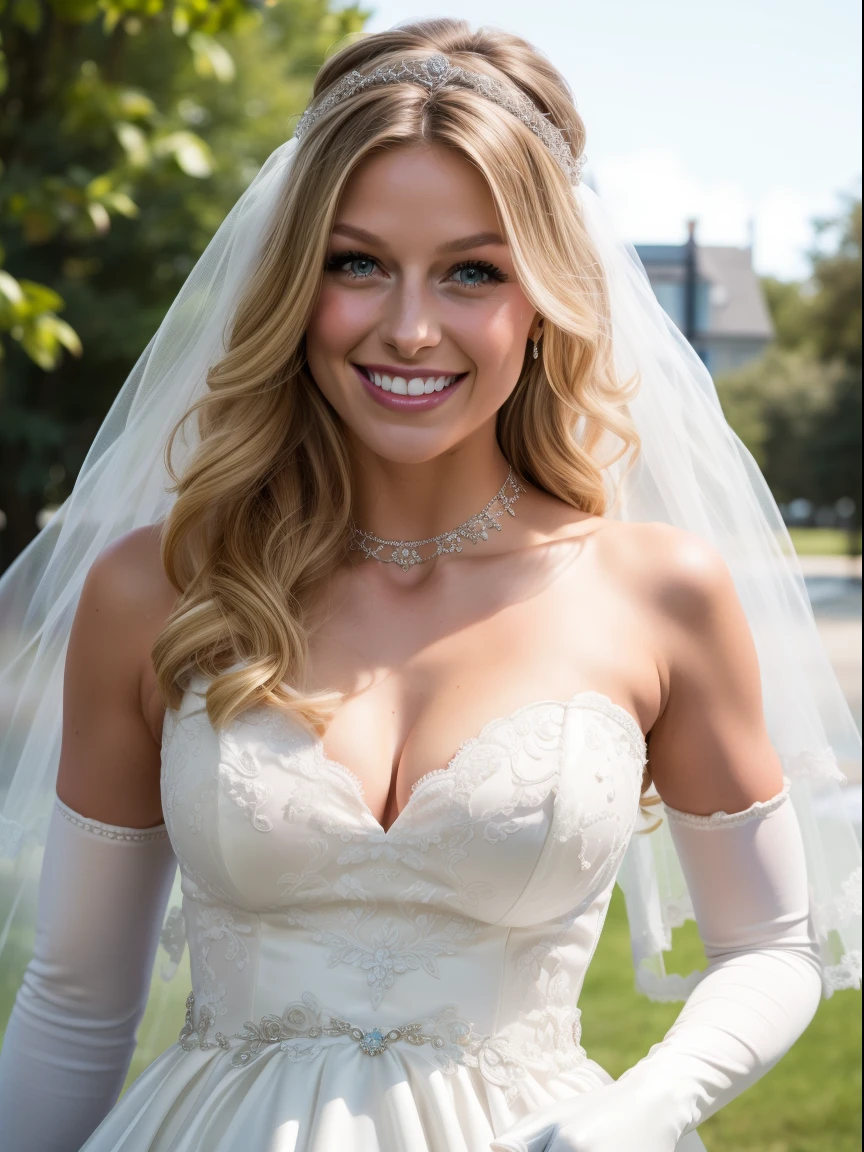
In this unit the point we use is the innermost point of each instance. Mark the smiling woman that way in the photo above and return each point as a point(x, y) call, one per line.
point(426, 181)
point(406, 294)
point(401, 775)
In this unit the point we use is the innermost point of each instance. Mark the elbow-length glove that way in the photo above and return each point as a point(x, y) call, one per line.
point(71, 1035)
point(748, 882)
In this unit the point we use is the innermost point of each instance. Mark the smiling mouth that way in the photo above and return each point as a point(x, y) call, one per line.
point(409, 385)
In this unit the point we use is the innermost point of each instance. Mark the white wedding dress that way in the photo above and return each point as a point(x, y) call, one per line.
point(356, 990)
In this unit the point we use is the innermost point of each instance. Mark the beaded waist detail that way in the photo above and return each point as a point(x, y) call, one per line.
point(301, 1030)
point(304, 1020)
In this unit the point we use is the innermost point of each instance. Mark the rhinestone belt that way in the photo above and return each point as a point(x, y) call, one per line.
point(303, 1020)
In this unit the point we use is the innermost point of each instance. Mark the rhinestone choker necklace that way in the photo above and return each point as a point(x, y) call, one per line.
point(406, 553)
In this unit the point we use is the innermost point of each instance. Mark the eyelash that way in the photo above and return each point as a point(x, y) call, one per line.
point(337, 262)
point(494, 274)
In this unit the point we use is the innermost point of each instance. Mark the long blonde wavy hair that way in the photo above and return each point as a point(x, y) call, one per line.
point(263, 508)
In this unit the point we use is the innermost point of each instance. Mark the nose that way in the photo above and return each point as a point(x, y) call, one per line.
point(410, 323)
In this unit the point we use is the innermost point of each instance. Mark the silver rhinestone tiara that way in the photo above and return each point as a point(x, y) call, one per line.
point(435, 73)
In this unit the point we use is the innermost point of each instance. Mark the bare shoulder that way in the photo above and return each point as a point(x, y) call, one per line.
point(678, 573)
point(124, 603)
point(665, 569)
point(710, 749)
point(129, 573)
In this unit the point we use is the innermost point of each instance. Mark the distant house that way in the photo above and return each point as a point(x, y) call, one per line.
point(715, 298)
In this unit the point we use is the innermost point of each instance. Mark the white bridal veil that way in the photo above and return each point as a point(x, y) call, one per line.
point(695, 473)
point(692, 472)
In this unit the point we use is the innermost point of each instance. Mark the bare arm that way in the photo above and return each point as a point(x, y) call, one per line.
point(106, 873)
point(109, 761)
point(709, 748)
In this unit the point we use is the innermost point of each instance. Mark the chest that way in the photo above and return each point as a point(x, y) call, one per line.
point(529, 819)
point(419, 676)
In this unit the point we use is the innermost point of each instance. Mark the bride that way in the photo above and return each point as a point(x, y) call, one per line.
point(460, 569)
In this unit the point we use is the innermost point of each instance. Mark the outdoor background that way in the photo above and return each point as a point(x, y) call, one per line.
point(726, 141)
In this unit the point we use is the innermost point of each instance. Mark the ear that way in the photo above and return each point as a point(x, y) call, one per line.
point(537, 330)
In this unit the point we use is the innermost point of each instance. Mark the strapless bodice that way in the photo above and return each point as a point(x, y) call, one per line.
point(468, 924)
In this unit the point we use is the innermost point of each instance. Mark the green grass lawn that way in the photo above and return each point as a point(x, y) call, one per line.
point(822, 541)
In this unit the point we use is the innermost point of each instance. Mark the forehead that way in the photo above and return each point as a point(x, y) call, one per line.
point(423, 191)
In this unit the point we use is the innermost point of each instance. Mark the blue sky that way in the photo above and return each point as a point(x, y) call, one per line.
point(728, 112)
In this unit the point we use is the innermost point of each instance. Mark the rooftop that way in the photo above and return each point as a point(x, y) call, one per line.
point(736, 301)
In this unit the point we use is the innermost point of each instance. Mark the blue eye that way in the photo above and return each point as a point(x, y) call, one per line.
point(471, 275)
point(359, 266)
point(476, 273)
point(354, 264)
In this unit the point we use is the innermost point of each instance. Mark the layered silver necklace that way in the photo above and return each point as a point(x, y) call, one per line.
point(407, 553)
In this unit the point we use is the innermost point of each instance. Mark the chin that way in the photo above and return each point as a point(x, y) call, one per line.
point(406, 445)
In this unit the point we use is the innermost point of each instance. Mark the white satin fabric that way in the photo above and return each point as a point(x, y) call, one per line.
point(471, 921)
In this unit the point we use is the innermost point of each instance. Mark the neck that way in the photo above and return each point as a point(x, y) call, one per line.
point(399, 501)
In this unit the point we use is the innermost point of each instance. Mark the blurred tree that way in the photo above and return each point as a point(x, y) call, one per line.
point(791, 305)
point(798, 409)
point(836, 435)
point(773, 404)
point(127, 130)
point(837, 276)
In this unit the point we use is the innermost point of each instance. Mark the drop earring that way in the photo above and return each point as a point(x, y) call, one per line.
point(536, 351)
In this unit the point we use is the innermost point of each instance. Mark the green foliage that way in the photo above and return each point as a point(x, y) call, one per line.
point(128, 128)
point(28, 312)
point(773, 404)
point(837, 276)
point(798, 409)
point(791, 311)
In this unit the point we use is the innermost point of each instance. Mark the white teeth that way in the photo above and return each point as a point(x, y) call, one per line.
point(416, 386)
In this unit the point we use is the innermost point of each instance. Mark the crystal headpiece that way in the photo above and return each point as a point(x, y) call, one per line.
point(435, 73)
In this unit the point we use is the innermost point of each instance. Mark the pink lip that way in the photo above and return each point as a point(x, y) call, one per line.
point(405, 403)
point(407, 373)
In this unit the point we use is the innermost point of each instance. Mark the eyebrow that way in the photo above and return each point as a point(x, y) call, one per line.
point(478, 240)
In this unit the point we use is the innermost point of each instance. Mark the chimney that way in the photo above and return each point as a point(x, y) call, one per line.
point(691, 280)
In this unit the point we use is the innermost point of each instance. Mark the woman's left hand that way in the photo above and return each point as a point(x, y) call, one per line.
point(609, 1119)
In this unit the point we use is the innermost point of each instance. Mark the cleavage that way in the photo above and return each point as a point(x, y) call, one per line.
point(365, 739)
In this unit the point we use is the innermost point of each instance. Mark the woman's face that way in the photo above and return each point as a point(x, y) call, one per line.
point(419, 332)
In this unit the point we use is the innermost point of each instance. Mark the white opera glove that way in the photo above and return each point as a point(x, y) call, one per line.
point(747, 878)
point(71, 1035)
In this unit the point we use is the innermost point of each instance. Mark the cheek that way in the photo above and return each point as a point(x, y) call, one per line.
point(494, 335)
point(338, 322)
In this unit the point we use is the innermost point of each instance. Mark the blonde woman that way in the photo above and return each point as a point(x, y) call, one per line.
point(380, 670)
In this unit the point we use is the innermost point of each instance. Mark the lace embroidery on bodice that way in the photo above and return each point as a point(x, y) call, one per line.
point(473, 916)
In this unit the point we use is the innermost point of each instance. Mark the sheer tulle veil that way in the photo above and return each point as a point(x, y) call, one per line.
point(692, 472)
